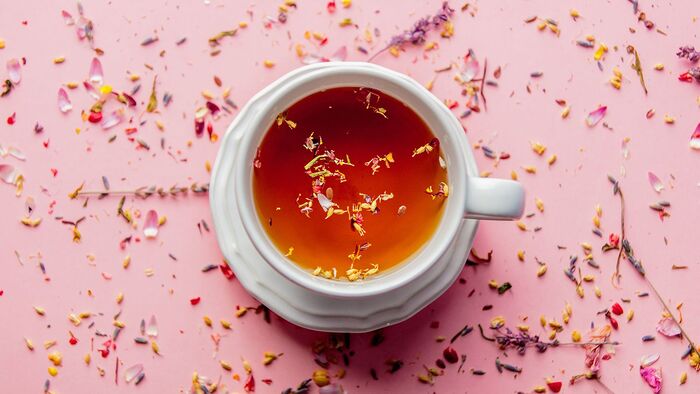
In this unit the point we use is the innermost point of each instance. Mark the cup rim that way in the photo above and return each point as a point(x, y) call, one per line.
point(433, 248)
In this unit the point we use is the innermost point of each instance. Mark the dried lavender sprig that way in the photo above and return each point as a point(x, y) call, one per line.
point(695, 73)
point(416, 35)
point(147, 191)
point(689, 53)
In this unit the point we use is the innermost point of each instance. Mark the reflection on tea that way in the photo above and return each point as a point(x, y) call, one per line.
point(349, 182)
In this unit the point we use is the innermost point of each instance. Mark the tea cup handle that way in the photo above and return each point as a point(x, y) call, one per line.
point(494, 199)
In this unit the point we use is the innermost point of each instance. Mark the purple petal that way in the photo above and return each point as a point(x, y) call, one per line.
point(655, 182)
point(13, 71)
point(64, 104)
point(594, 117)
point(150, 227)
point(111, 120)
point(132, 372)
point(8, 174)
point(695, 138)
point(67, 18)
point(96, 71)
point(152, 329)
point(340, 55)
point(653, 378)
point(668, 327)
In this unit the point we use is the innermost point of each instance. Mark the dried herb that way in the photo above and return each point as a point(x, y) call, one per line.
point(637, 264)
point(303, 388)
point(148, 191)
point(637, 66)
point(417, 34)
point(504, 287)
point(377, 338)
point(463, 332)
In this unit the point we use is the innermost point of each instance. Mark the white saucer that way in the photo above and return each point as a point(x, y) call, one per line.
point(302, 306)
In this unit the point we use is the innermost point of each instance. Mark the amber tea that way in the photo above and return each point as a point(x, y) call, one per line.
point(349, 182)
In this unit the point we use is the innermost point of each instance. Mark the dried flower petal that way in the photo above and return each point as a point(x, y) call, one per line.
point(695, 138)
point(64, 104)
point(668, 327)
point(96, 73)
point(653, 378)
point(67, 18)
point(655, 182)
point(648, 360)
point(595, 116)
point(113, 119)
point(8, 174)
point(340, 55)
point(471, 69)
point(152, 328)
point(13, 71)
point(132, 372)
point(150, 226)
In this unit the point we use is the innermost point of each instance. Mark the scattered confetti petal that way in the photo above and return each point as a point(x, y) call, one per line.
point(668, 327)
point(96, 73)
point(653, 378)
point(596, 116)
point(132, 372)
point(14, 73)
point(695, 138)
point(150, 227)
point(655, 182)
point(64, 104)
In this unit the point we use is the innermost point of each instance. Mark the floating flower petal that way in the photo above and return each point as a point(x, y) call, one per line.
point(596, 116)
point(655, 182)
point(653, 378)
point(96, 73)
point(668, 327)
point(132, 372)
point(13, 71)
point(64, 104)
point(695, 138)
point(150, 227)
point(324, 201)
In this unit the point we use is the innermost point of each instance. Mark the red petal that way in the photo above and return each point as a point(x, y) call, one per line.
point(616, 309)
point(554, 386)
point(226, 270)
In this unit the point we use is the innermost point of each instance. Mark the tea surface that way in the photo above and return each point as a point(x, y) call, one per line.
point(348, 182)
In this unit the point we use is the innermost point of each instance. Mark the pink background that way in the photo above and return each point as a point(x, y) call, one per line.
point(570, 189)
